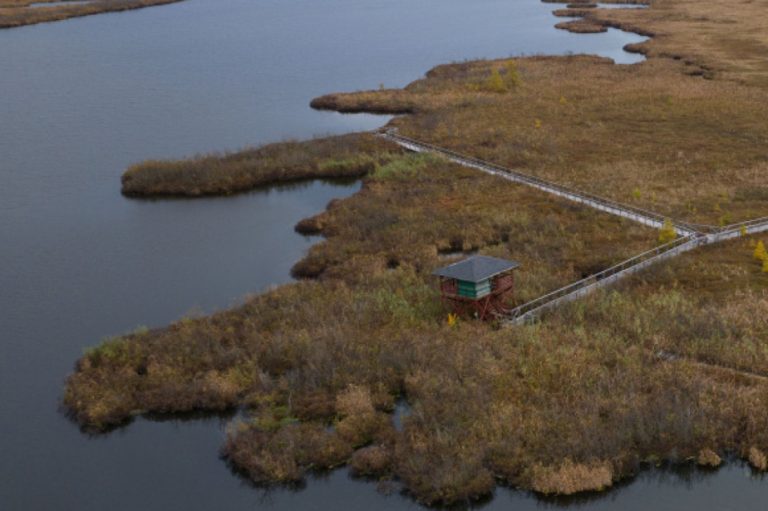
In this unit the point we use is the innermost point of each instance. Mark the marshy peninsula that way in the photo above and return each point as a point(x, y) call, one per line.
point(292, 237)
point(17, 13)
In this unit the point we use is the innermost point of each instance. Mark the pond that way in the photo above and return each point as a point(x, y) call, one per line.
point(82, 99)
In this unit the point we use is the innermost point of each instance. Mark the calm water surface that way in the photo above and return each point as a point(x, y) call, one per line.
point(82, 99)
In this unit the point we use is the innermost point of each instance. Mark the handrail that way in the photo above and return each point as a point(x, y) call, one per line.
point(591, 279)
point(528, 307)
point(688, 227)
point(746, 223)
point(696, 234)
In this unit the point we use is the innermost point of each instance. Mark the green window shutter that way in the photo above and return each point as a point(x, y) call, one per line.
point(472, 290)
point(482, 288)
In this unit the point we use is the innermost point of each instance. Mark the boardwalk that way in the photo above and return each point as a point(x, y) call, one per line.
point(691, 235)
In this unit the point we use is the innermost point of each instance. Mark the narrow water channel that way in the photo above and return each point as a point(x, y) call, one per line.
point(82, 99)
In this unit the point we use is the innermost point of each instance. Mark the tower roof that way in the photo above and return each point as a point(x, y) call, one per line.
point(476, 268)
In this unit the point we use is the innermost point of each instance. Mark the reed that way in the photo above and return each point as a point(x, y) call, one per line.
point(341, 157)
point(17, 13)
point(571, 404)
point(670, 365)
point(647, 134)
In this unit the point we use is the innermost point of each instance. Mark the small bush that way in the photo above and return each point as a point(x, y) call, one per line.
point(667, 232)
point(372, 461)
point(495, 83)
point(757, 459)
point(708, 458)
point(355, 400)
point(760, 253)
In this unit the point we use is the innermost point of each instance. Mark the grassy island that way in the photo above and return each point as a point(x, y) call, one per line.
point(340, 157)
point(17, 13)
point(670, 365)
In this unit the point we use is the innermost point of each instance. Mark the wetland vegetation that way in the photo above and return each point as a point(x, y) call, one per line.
point(572, 403)
point(17, 13)
point(648, 134)
point(339, 157)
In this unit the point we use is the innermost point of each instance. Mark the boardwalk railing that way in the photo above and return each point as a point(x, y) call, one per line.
point(530, 310)
point(643, 216)
point(692, 235)
point(751, 226)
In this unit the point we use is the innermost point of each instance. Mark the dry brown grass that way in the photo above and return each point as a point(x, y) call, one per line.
point(570, 404)
point(646, 134)
point(718, 38)
point(728, 319)
point(317, 364)
point(408, 212)
point(579, 26)
point(569, 477)
point(340, 157)
point(423, 212)
point(17, 13)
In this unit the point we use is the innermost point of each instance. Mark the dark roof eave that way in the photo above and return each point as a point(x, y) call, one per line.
point(476, 269)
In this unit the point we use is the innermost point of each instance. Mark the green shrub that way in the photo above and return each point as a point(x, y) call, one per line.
point(667, 232)
point(495, 82)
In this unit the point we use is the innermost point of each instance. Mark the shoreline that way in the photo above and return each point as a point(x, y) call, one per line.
point(349, 156)
point(185, 177)
point(18, 13)
point(363, 424)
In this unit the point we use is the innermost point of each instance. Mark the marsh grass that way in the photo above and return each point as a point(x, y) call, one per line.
point(569, 404)
point(569, 477)
point(646, 134)
point(712, 38)
point(572, 403)
point(17, 13)
point(340, 157)
point(417, 206)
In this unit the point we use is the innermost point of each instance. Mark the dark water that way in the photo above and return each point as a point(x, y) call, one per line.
point(82, 99)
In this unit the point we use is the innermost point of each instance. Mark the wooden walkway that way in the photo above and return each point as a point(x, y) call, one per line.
point(643, 216)
point(691, 235)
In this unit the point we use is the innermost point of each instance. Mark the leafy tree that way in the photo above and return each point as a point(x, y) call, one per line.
point(760, 254)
